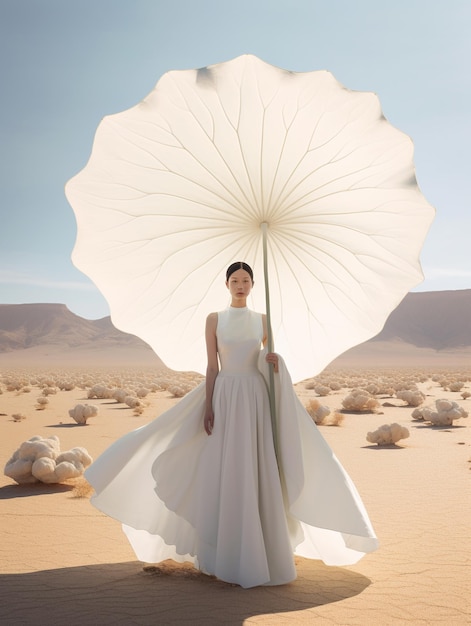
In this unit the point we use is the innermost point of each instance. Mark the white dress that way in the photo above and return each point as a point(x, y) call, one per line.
point(224, 502)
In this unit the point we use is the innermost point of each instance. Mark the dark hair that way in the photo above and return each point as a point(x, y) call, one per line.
point(239, 265)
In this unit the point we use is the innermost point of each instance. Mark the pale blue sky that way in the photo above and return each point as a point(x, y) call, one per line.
point(64, 64)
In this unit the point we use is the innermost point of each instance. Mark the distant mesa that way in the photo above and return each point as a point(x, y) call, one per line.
point(48, 330)
point(435, 320)
point(27, 325)
point(440, 320)
point(427, 329)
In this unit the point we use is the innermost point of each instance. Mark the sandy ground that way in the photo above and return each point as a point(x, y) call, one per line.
point(63, 562)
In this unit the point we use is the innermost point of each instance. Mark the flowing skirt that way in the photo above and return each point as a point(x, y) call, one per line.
point(224, 502)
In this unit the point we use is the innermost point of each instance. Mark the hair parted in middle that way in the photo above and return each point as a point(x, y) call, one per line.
point(239, 265)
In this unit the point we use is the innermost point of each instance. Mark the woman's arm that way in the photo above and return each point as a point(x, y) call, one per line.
point(271, 357)
point(212, 369)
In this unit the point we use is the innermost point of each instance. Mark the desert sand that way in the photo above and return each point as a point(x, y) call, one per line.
point(63, 562)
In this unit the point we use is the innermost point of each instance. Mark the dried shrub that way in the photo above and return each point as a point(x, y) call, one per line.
point(446, 412)
point(412, 397)
point(14, 385)
point(82, 489)
point(360, 400)
point(66, 385)
point(317, 411)
point(178, 391)
point(100, 392)
point(82, 412)
point(335, 419)
point(133, 402)
point(120, 395)
point(322, 414)
point(18, 417)
point(456, 385)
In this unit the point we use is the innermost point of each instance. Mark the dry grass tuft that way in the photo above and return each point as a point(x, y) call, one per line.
point(18, 417)
point(335, 419)
point(82, 489)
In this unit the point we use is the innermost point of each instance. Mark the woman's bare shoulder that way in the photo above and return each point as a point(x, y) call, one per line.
point(212, 319)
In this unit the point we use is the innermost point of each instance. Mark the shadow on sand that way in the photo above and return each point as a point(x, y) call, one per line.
point(34, 489)
point(125, 593)
point(387, 446)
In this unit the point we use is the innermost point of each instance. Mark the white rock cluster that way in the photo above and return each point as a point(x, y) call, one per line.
point(360, 400)
point(317, 411)
point(446, 411)
point(40, 460)
point(413, 397)
point(388, 434)
point(81, 412)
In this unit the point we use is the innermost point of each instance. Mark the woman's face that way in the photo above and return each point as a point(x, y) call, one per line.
point(239, 284)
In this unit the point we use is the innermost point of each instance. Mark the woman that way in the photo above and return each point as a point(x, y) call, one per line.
point(201, 483)
point(239, 281)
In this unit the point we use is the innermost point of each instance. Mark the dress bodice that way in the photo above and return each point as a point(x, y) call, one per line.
point(239, 337)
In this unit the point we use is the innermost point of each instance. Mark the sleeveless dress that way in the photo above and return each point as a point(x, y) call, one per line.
point(225, 502)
